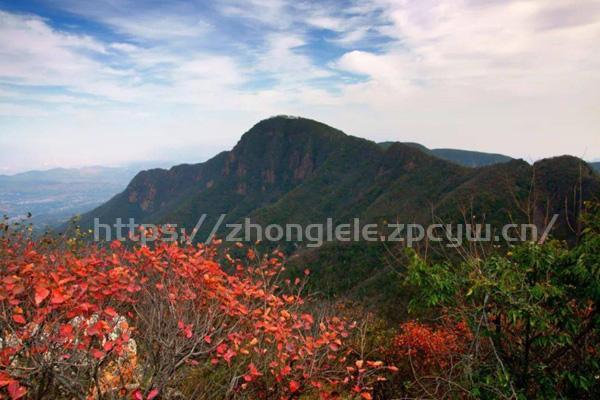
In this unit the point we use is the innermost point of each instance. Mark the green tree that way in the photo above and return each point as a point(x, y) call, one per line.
point(534, 312)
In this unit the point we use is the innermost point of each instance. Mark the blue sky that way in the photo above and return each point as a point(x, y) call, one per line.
point(108, 82)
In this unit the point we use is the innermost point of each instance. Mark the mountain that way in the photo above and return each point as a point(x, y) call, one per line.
point(271, 159)
point(53, 196)
point(302, 171)
point(299, 171)
point(595, 165)
point(465, 158)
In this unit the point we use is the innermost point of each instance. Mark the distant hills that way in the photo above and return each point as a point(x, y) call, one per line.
point(465, 158)
point(53, 196)
point(302, 171)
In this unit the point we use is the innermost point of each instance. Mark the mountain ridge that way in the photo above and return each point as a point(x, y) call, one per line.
point(300, 170)
point(467, 158)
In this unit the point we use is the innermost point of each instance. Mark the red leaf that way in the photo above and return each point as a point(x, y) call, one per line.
point(137, 395)
point(229, 355)
point(110, 312)
point(188, 332)
point(153, 393)
point(98, 354)
point(253, 370)
point(57, 297)
point(16, 391)
point(308, 319)
point(5, 379)
point(40, 294)
point(108, 346)
point(222, 348)
point(19, 319)
point(66, 331)
point(294, 386)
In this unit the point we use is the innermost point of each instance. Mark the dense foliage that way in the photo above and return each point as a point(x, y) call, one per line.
point(79, 321)
point(532, 316)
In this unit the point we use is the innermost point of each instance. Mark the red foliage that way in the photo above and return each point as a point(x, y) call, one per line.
point(66, 311)
point(431, 347)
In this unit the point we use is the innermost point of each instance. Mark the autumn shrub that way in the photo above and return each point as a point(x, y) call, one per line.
point(429, 348)
point(166, 322)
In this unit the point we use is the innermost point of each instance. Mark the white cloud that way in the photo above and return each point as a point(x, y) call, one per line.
point(494, 45)
point(177, 20)
point(282, 59)
point(159, 27)
point(481, 75)
point(391, 70)
point(485, 75)
point(274, 13)
point(353, 25)
point(35, 54)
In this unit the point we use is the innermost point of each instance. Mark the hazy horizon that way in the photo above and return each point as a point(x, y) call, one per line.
point(110, 83)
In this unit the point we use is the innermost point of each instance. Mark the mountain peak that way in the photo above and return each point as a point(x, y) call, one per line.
point(284, 116)
point(287, 130)
point(290, 124)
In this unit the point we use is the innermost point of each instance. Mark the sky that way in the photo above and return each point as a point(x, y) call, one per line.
point(114, 81)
